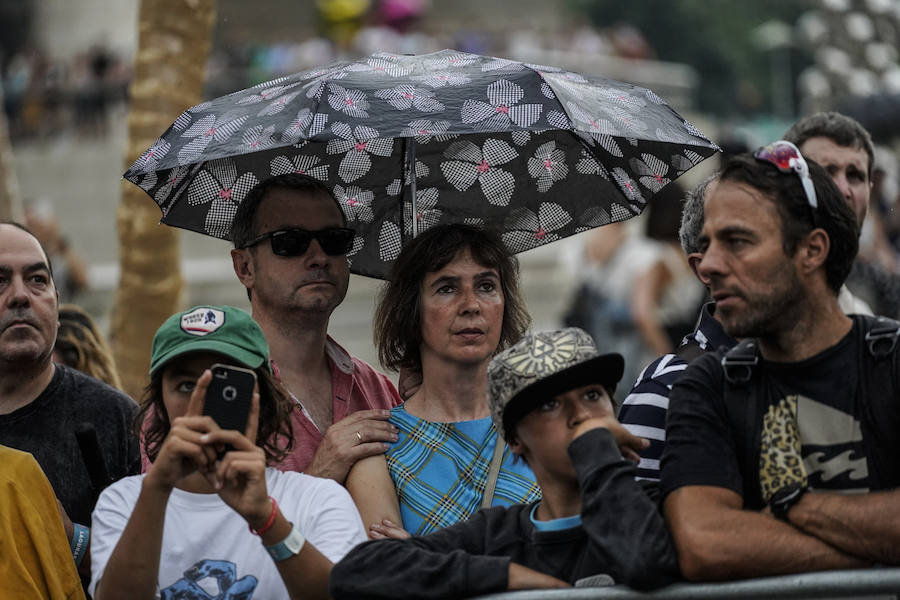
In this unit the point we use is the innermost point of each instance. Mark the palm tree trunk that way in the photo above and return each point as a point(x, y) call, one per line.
point(169, 71)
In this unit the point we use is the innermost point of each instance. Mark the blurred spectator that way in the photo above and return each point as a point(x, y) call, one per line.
point(69, 270)
point(80, 345)
point(636, 290)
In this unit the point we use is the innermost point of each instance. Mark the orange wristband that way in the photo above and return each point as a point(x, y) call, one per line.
point(269, 522)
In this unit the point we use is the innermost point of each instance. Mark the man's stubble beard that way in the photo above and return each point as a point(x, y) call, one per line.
point(771, 313)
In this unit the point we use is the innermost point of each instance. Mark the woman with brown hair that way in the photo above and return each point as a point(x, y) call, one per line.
point(451, 304)
point(80, 345)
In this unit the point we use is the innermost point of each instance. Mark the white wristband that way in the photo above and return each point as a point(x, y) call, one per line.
point(287, 547)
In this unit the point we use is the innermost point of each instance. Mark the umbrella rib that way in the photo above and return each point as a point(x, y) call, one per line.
point(410, 150)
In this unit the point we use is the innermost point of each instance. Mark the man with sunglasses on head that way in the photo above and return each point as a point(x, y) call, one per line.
point(290, 252)
point(781, 454)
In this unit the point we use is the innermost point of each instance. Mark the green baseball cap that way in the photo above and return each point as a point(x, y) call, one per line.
point(223, 329)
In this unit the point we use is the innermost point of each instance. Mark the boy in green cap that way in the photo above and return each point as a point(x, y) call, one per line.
point(550, 397)
point(199, 517)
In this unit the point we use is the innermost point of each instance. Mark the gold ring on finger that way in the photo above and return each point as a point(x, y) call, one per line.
point(359, 437)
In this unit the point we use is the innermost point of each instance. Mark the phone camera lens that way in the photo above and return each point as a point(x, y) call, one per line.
point(229, 393)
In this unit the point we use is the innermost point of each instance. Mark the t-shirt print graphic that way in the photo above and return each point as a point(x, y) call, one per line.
point(204, 575)
point(807, 442)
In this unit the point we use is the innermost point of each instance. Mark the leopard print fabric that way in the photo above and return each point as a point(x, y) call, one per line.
point(780, 460)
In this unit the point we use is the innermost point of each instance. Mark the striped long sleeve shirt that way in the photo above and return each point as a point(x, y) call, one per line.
point(644, 410)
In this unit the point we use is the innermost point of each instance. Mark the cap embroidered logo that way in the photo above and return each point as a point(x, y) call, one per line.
point(202, 321)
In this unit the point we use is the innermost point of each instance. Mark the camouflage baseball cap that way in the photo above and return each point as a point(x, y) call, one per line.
point(543, 365)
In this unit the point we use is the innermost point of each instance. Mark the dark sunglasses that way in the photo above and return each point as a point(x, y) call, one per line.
point(787, 158)
point(294, 242)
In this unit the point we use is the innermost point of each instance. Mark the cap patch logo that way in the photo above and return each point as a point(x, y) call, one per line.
point(202, 321)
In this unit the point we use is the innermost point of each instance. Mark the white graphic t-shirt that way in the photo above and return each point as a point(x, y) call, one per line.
point(207, 549)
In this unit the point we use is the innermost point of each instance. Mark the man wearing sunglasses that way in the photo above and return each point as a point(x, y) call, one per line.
point(290, 252)
point(781, 455)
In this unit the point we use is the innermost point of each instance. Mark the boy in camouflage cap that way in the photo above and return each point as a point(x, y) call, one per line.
point(551, 398)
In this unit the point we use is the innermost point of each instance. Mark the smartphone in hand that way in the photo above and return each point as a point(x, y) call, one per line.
point(229, 396)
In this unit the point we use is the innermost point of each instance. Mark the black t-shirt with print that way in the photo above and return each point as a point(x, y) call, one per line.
point(794, 421)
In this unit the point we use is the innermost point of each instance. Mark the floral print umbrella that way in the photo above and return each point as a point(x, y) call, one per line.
point(407, 142)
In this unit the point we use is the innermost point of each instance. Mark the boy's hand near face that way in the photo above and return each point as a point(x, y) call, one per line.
point(629, 444)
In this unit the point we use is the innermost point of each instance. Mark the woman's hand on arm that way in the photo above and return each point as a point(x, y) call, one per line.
point(372, 489)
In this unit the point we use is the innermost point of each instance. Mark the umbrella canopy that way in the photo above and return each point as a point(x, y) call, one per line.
point(407, 142)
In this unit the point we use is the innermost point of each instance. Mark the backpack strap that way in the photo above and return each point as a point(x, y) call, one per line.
point(881, 337)
point(741, 393)
point(877, 392)
point(738, 362)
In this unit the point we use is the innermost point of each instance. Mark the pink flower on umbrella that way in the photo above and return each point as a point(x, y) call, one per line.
point(300, 164)
point(349, 102)
point(470, 163)
point(259, 138)
point(404, 97)
point(427, 213)
point(219, 186)
point(268, 93)
point(652, 172)
point(356, 203)
point(627, 185)
point(204, 131)
point(440, 79)
point(150, 158)
point(592, 125)
point(526, 230)
point(305, 126)
point(547, 166)
point(277, 105)
point(357, 144)
point(173, 178)
point(501, 108)
point(425, 131)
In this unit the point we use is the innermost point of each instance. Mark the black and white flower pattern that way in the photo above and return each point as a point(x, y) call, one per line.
point(534, 149)
point(220, 186)
point(356, 203)
point(470, 163)
point(547, 166)
point(357, 144)
point(300, 164)
point(405, 96)
point(526, 230)
point(501, 109)
point(427, 212)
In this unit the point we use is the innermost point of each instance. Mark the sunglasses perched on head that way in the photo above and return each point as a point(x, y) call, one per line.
point(294, 242)
point(786, 157)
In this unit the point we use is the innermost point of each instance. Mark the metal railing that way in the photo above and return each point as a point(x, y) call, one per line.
point(868, 583)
